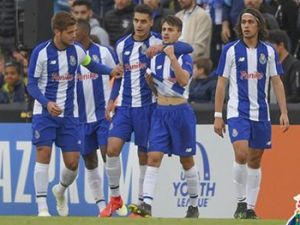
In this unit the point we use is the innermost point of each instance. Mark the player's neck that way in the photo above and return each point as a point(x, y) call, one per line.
point(140, 38)
point(59, 45)
point(251, 42)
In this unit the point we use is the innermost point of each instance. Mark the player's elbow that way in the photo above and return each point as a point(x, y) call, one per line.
point(183, 82)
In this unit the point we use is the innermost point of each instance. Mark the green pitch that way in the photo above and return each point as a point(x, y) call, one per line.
point(28, 220)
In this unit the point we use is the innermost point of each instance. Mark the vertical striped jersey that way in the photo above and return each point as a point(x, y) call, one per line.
point(55, 71)
point(248, 71)
point(164, 77)
point(93, 90)
point(134, 91)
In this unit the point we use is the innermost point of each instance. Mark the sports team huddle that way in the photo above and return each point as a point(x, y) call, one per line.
point(90, 97)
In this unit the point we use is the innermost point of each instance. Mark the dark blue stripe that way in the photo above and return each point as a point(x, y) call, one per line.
point(146, 93)
point(80, 98)
point(98, 86)
point(242, 84)
point(126, 95)
point(149, 197)
point(262, 56)
point(72, 66)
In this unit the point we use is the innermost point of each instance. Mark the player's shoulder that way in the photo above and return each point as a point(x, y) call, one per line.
point(41, 46)
point(123, 39)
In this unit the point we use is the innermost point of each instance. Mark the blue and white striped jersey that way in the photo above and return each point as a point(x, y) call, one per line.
point(248, 71)
point(134, 91)
point(93, 90)
point(164, 76)
point(55, 71)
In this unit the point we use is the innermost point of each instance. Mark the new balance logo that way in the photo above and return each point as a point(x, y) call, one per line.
point(269, 143)
point(188, 150)
point(52, 62)
point(241, 59)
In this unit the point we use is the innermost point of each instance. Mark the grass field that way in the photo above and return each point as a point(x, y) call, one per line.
point(29, 220)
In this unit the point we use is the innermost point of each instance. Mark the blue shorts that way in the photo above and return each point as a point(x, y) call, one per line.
point(257, 133)
point(132, 119)
point(173, 130)
point(63, 131)
point(94, 135)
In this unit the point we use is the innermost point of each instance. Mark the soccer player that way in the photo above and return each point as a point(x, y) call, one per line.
point(93, 91)
point(52, 80)
point(135, 102)
point(248, 64)
point(173, 123)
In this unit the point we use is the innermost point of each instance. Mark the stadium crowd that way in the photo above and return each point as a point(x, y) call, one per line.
point(208, 25)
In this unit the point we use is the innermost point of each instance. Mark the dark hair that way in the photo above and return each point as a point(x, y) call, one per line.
point(144, 9)
point(278, 36)
point(14, 64)
point(62, 20)
point(85, 25)
point(262, 30)
point(86, 3)
point(173, 21)
point(204, 63)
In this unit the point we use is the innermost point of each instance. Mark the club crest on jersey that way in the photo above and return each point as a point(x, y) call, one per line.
point(143, 48)
point(72, 60)
point(95, 58)
point(37, 134)
point(234, 132)
point(262, 58)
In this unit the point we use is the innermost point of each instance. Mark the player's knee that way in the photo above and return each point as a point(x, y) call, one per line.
point(254, 162)
point(154, 161)
point(187, 162)
point(90, 163)
point(241, 157)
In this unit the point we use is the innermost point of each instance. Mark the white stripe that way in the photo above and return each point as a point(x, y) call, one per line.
point(252, 84)
point(135, 76)
point(61, 94)
point(232, 106)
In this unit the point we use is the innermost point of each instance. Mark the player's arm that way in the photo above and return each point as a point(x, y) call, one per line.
point(179, 48)
point(182, 76)
point(34, 73)
point(100, 68)
point(219, 125)
point(280, 95)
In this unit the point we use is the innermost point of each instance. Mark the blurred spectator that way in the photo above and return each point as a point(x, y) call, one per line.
point(22, 57)
point(61, 5)
point(13, 89)
point(2, 62)
point(203, 86)
point(230, 12)
point(100, 7)
point(158, 13)
point(118, 20)
point(7, 26)
point(214, 7)
point(197, 27)
point(291, 65)
point(82, 9)
point(287, 16)
point(271, 21)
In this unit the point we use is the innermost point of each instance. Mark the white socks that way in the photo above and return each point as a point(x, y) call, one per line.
point(113, 170)
point(141, 182)
point(41, 185)
point(67, 177)
point(240, 181)
point(151, 177)
point(94, 181)
point(253, 184)
point(193, 187)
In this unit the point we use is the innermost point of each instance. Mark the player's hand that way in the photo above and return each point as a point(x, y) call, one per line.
point(53, 109)
point(110, 110)
point(225, 33)
point(219, 127)
point(118, 71)
point(284, 122)
point(169, 50)
point(149, 80)
point(153, 50)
